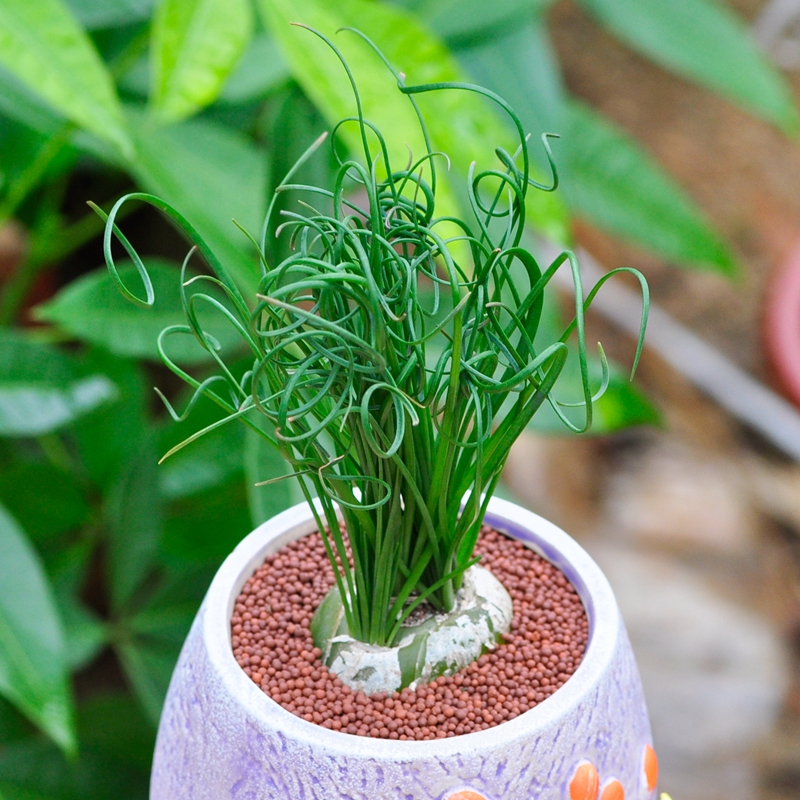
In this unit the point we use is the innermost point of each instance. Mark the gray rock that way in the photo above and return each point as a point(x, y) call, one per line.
point(714, 674)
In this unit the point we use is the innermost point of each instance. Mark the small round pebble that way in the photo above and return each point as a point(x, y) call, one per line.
point(273, 645)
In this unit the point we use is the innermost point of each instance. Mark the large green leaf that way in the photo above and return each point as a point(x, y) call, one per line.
point(203, 529)
point(264, 463)
point(155, 633)
point(520, 65)
point(210, 174)
point(707, 43)
point(195, 44)
point(113, 724)
point(45, 500)
point(459, 20)
point(261, 69)
point(110, 13)
point(110, 437)
point(14, 727)
point(148, 666)
point(42, 43)
point(32, 769)
point(92, 308)
point(33, 667)
point(41, 388)
point(27, 159)
point(84, 631)
point(617, 186)
point(135, 516)
point(18, 102)
point(208, 462)
point(31, 408)
point(461, 124)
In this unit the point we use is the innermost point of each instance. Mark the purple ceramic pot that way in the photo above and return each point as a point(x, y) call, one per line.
point(221, 737)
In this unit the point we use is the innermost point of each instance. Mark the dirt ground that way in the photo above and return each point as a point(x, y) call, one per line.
point(704, 497)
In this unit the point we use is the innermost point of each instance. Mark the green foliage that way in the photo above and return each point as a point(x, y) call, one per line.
point(396, 408)
point(94, 14)
point(195, 44)
point(260, 71)
point(41, 389)
point(33, 668)
point(92, 310)
point(43, 44)
point(468, 20)
point(20, 492)
point(135, 525)
point(213, 174)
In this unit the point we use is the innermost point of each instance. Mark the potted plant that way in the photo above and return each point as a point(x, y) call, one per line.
point(354, 646)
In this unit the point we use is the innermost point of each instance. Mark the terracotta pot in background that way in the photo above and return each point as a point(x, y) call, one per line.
point(782, 324)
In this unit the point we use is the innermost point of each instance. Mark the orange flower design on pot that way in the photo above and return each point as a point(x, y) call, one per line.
point(650, 767)
point(466, 794)
point(585, 783)
point(613, 791)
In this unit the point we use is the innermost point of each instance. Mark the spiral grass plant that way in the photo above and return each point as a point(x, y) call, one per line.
point(393, 356)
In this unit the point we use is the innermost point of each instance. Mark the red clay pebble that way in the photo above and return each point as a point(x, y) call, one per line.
point(272, 643)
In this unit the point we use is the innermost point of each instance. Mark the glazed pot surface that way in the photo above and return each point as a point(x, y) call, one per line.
point(221, 737)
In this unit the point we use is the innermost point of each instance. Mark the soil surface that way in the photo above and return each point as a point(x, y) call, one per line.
point(272, 642)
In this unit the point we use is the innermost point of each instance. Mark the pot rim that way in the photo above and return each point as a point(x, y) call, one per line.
point(536, 532)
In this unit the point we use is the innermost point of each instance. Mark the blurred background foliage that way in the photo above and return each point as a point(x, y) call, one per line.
point(105, 557)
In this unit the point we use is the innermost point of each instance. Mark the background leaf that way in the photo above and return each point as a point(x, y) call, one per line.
point(135, 516)
point(520, 64)
point(109, 437)
point(260, 70)
point(605, 175)
point(84, 633)
point(103, 14)
point(42, 389)
point(203, 529)
point(208, 462)
point(614, 184)
point(211, 174)
point(704, 41)
point(32, 769)
point(113, 724)
point(33, 408)
point(92, 308)
point(45, 47)
point(148, 666)
point(33, 669)
point(262, 463)
point(151, 639)
point(195, 44)
point(46, 501)
point(18, 102)
point(460, 20)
